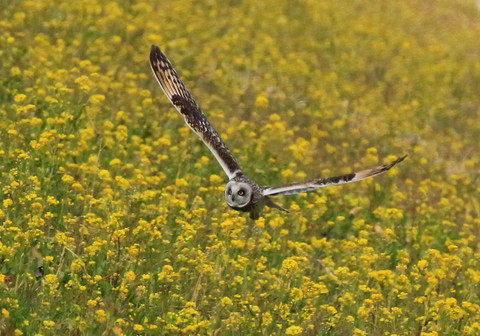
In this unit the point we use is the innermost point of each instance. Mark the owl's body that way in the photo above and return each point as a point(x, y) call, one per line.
point(241, 193)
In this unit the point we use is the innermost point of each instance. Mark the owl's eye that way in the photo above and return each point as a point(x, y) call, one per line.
point(241, 192)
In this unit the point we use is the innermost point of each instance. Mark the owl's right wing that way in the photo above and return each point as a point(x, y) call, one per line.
point(302, 187)
point(179, 96)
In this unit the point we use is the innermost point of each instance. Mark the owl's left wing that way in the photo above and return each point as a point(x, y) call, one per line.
point(179, 96)
point(302, 187)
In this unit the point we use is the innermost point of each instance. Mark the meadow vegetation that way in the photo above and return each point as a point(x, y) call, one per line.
point(106, 188)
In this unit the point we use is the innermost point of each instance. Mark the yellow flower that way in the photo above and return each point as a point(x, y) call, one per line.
point(51, 100)
point(266, 319)
point(51, 200)
point(180, 182)
point(48, 259)
point(61, 238)
point(19, 98)
point(138, 327)
point(261, 101)
point(77, 265)
point(48, 324)
point(15, 71)
point(68, 179)
point(276, 222)
point(216, 179)
point(294, 330)
point(122, 182)
point(289, 265)
point(104, 174)
point(286, 173)
point(97, 99)
point(115, 162)
point(100, 316)
point(51, 279)
point(422, 264)
point(226, 301)
point(84, 83)
point(130, 276)
point(358, 332)
point(92, 303)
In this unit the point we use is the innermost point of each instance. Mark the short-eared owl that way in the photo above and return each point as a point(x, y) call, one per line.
point(241, 193)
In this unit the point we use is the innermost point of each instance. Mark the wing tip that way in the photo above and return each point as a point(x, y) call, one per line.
point(155, 53)
point(393, 163)
point(387, 166)
point(400, 159)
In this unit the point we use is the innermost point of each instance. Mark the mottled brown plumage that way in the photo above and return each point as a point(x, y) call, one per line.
point(180, 97)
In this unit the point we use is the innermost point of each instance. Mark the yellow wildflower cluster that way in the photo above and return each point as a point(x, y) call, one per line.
point(112, 219)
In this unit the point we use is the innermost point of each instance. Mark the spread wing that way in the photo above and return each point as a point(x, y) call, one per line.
point(298, 188)
point(176, 92)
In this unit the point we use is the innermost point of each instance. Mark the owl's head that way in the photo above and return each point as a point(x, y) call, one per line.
point(238, 194)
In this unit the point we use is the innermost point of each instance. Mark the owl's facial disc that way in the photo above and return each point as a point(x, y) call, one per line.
point(238, 194)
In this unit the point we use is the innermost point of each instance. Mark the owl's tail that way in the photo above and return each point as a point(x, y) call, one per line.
point(272, 204)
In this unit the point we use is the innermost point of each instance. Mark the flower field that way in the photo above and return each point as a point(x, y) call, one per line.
point(112, 217)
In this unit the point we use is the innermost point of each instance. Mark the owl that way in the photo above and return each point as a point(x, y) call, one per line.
point(241, 193)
